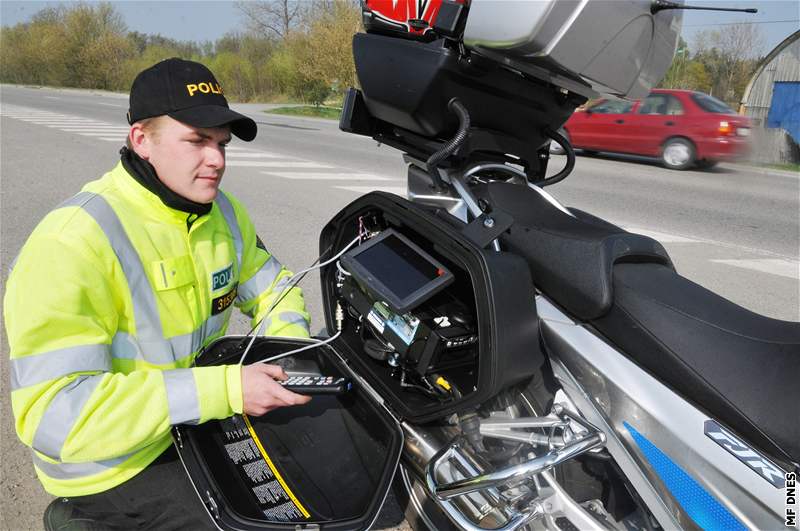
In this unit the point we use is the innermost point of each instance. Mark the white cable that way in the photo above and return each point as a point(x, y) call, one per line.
point(252, 340)
point(289, 285)
point(341, 269)
point(295, 351)
point(323, 264)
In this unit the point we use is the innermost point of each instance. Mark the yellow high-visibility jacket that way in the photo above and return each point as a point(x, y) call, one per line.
point(108, 303)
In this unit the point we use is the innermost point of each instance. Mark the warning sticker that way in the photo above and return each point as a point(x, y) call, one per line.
point(245, 450)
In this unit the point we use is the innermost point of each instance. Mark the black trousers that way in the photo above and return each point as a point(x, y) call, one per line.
point(159, 497)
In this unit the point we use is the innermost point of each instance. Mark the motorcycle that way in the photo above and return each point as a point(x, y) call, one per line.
point(516, 363)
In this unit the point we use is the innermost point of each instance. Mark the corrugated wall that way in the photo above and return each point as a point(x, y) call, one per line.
point(784, 67)
point(772, 145)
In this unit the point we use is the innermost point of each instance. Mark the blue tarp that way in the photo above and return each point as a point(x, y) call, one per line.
point(784, 111)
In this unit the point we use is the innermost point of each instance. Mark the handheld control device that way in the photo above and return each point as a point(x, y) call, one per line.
point(317, 385)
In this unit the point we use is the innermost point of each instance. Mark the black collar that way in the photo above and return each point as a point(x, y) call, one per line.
point(145, 174)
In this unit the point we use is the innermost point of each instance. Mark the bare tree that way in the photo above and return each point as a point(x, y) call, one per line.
point(729, 55)
point(271, 17)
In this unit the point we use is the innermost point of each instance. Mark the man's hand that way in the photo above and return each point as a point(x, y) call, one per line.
point(261, 393)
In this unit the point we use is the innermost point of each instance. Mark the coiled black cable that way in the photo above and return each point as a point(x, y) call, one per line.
point(451, 145)
point(560, 176)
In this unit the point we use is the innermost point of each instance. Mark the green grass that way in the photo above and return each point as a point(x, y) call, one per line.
point(330, 113)
point(787, 167)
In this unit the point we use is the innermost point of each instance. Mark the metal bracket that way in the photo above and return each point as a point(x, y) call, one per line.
point(178, 437)
point(211, 503)
point(486, 228)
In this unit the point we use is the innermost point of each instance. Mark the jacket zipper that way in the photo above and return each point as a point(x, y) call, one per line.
point(190, 219)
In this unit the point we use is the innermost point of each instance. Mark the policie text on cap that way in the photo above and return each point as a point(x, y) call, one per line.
point(188, 92)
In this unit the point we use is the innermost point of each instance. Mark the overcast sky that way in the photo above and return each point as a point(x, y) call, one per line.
point(198, 20)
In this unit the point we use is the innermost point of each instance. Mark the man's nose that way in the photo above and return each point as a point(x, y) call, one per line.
point(215, 157)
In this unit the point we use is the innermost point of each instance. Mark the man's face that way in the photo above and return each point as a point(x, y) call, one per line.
point(189, 160)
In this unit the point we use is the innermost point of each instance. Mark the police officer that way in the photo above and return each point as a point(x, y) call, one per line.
point(117, 290)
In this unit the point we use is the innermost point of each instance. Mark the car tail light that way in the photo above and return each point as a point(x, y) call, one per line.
point(726, 128)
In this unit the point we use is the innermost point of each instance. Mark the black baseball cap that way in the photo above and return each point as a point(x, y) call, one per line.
point(188, 92)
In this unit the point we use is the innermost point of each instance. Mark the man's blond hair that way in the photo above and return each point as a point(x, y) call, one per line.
point(149, 125)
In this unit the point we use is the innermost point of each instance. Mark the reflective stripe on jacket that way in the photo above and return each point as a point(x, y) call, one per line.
point(108, 303)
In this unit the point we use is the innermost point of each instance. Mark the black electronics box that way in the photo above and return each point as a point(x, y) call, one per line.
point(494, 288)
point(329, 464)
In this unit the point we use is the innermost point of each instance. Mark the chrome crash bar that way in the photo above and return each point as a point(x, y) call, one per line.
point(578, 437)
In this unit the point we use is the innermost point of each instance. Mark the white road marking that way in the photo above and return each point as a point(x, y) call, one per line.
point(402, 191)
point(64, 120)
point(96, 130)
point(120, 140)
point(97, 133)
point(81, 125)
point(783, 268)
point(111, 105)
point(674, 238)
point(251, 155)
point(76, 123)
point(662, 237)
point(278, 164)
point(311, 176)
point(250, 164)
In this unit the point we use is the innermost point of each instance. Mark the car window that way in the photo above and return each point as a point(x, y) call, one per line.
point(711, 104)
point(661, 104)
point(612, 107)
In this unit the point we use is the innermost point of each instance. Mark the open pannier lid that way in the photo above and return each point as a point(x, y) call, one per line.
point(325, 465)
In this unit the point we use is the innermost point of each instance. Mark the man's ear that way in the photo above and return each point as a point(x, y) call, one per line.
point(140, 141)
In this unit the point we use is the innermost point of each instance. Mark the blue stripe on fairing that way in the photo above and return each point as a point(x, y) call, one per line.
point(701, 506)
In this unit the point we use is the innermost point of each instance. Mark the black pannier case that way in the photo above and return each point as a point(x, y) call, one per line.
point(329, 464)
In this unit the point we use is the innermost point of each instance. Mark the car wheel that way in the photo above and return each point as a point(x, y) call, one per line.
point(706, 164)
point(555, 147)
point(678, 154)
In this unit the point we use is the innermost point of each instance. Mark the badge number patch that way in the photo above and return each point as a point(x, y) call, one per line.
point(221, 278)
point(221, 303)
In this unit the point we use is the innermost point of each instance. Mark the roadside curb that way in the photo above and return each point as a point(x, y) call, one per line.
point(264, 113)
point(765, 171)
point(95, 92)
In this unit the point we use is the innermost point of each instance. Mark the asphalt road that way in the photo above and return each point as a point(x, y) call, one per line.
point(734, 230)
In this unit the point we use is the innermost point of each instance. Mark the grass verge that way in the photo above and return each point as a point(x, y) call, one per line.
point(786, 167)
point(330, 113)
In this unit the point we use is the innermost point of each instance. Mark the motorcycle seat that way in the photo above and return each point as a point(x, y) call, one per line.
point(571, 256)
point(739, 367)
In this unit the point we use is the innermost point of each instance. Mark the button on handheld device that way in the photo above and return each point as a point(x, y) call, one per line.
point(317, 385)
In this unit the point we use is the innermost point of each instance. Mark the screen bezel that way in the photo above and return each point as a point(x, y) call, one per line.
point(379, 290)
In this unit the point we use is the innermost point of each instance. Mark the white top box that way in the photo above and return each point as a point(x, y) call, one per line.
point(616, 47)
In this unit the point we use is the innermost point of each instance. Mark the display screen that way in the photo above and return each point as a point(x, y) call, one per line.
point(399, 267)
point(393, 269)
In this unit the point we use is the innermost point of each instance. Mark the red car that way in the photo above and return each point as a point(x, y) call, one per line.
point(681, 127)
